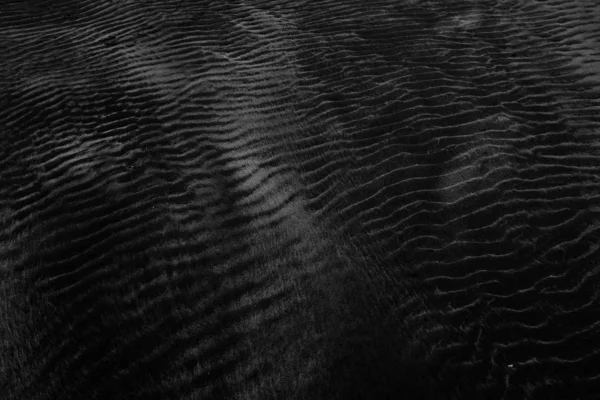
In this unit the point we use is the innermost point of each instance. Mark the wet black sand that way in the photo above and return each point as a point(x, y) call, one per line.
point(299, 200)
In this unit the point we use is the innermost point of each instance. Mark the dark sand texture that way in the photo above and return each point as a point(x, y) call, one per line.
point(305, 200)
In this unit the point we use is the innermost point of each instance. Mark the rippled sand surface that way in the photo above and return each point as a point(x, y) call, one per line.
point(299, 199)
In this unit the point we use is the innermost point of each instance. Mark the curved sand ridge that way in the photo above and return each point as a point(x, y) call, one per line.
point(299, 200)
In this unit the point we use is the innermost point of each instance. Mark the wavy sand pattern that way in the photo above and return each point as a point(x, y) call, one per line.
point(299, 199)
